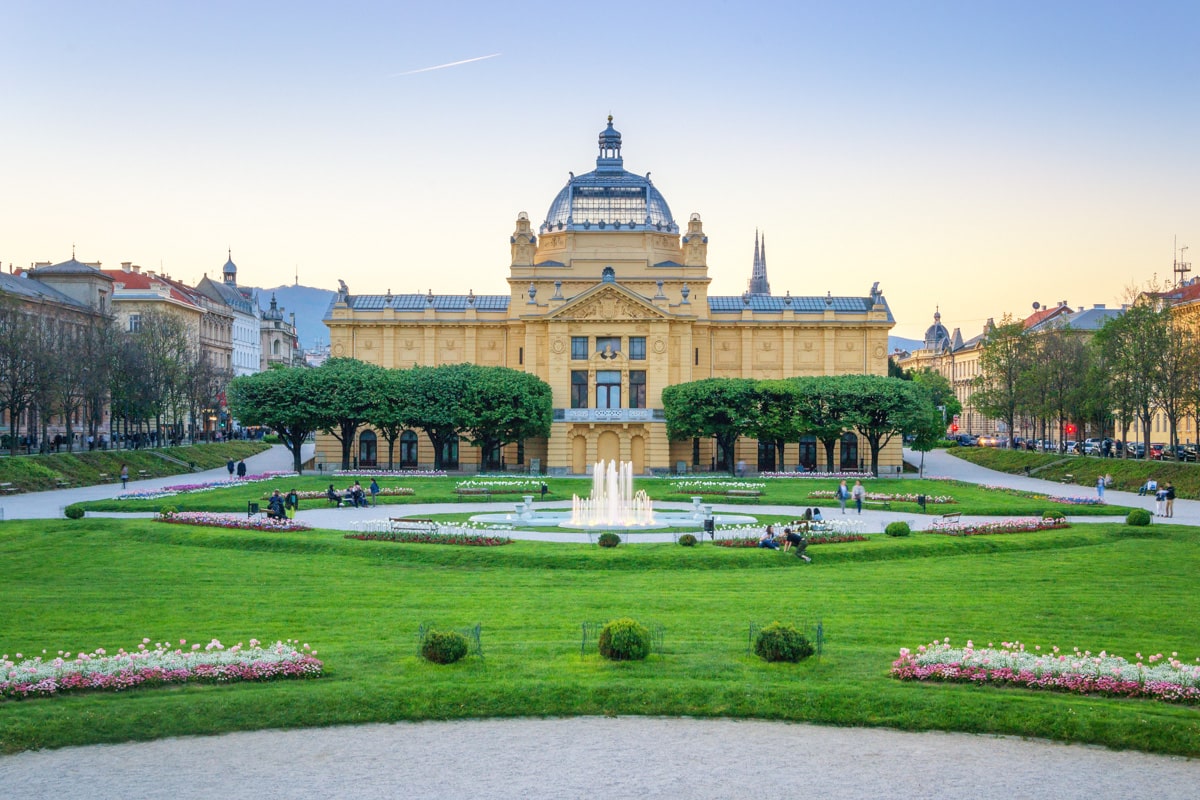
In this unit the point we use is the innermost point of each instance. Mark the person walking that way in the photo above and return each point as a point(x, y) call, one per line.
point(1170, 494)
point(374, 489)
point(241, 468)
point(124, 475)
point(229, 465)
point(859, 493)
point(1100, 488)
point(843, 494)
point(291, 504)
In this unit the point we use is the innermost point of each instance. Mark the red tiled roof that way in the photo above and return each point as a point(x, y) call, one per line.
point(1041, 316)
point(142, 281)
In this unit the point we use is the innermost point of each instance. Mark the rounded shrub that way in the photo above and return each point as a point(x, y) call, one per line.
point(687, 540)
point(609, 539)
point(624, 640)
point(777, 642)
point(444, 647)
point(1054, 515)
point(897, 529)
point(1138, 517)
point(74, 511)
point(167, 511)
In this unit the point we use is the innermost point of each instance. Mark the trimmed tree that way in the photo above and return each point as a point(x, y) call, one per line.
point(505, 406)
point(880, 408)
point(822, 412)
point(348, 390)
point(723, 408)
point(285, 400)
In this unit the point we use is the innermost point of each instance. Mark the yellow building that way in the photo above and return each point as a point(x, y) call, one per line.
point(608, 303)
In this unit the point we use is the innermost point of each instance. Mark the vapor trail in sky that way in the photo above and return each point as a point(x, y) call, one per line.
point(443, 66)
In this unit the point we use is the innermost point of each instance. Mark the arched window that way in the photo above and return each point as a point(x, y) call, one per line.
point(849, 452)
point(408, 450)
point(275, 347)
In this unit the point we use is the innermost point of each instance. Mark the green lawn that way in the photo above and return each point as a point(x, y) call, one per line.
point(970, 499)
point(104, 583)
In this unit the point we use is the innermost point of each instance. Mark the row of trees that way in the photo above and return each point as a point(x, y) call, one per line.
point(58, 364)
point(488, 406)
point(1143, 362)
point(781, 411)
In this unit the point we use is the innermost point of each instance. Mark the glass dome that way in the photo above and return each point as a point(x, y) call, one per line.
point(609, 198)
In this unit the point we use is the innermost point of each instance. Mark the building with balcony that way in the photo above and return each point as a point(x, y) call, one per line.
point(608, 302)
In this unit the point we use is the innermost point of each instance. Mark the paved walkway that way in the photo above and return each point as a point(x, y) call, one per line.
point(626, 757)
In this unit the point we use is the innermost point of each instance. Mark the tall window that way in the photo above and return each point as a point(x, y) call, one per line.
point(637, 388)
point(579, 388)
point(408, 449)
point(637, 348)
point(849, 459)
point(608, 389)
point(579, 351)
point(135, 323)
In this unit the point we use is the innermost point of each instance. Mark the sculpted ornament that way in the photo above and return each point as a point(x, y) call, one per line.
point(559, 345)
point(660, 346)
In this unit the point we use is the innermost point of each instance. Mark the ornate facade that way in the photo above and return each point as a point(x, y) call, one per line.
point(608, 303)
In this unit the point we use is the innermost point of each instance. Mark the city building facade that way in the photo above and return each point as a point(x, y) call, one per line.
point(609, 303)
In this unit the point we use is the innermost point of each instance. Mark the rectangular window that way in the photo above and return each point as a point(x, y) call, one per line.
point(579, 388)
point(637, 388)
point(135, 323)
point(579, 351)
point(637, 348)
point(695, 452)
point(520, 360)
point(608, 346)
point(608, 389)
point(697, 356)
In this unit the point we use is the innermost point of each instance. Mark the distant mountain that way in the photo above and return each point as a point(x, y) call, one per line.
point(904, 344)
point(308, 304)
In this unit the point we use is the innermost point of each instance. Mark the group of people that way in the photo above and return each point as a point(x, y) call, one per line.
point(355, 496)
point(858, 494)
point(283, 507)
point(790, 539)
point(239, 468)
point(1164, 497)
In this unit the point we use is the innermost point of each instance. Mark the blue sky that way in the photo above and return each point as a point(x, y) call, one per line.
point(973, 156)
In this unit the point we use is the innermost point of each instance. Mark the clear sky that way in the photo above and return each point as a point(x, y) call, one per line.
point(976, 156)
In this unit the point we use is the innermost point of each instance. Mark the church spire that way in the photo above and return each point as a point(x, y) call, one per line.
point(758, 274)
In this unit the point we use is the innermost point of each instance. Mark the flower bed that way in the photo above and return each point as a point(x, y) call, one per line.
point(389, 473)
point(899, 498)
point(1014, 525)
point(188, 488)
point(419, 537)
point(1159, 677)
point(854, 476)
point(98, 671)
point(699, 487)
point(1077, 501)
point(815, 537)
point(217, 520)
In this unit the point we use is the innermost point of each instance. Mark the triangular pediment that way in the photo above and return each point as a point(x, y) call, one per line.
point(607, 301)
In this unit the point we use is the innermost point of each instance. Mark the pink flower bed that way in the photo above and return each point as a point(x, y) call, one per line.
point(429, 537)
point(1014, 525)
point(98, 671)
point(1159, 678)
point(240, 521)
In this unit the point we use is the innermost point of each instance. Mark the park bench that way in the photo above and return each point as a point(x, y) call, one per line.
point(8, 488)
point(418, 525)
point(102, 477)
point(143, 473)
point(880, 503)
point(950, 520)
point(743, 493)
point(1068, 478)
point(62, 484)
point(474, 491)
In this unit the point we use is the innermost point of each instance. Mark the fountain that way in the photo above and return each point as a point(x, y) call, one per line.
point(612, 503)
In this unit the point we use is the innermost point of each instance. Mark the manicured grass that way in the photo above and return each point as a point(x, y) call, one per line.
point(37, 473)
point(106, 583)
point(1128, 474)
point(970, 499)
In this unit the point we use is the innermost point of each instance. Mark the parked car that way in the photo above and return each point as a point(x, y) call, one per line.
point(1136, 449)
point(1091, 447)
point(965, 440)
point(1071, 446)
point(1180, 452)
point(1156, 451)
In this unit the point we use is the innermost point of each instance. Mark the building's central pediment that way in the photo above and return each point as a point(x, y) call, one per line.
point(607, 301)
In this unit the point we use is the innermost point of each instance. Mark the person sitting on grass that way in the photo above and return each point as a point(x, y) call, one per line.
point(768, 539)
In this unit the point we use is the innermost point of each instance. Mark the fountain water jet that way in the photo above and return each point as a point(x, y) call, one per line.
point(612, 503)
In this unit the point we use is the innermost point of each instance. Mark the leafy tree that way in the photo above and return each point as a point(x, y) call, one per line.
point(880, 408)
point(1003, 367)
point(286, 400)
point(17, 368)
point(719, 407)
point(1174, 373)
point(347, 389)
point(505, 406)
point(1061, 365)
point(390, 413)
point(821, 409)
point(777, 419)
point(1130, 344)
point(436, 406)
point(940, 390)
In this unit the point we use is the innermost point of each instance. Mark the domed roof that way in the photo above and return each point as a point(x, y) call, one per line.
point(609, 198)
point(936, 335)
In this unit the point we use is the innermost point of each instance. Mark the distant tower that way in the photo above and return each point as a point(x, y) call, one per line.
point(758, 275)
point(229, 271)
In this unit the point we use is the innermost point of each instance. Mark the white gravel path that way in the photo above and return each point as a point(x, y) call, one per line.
point(624, 757)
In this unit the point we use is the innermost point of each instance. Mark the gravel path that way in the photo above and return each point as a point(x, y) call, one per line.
point(625, 757)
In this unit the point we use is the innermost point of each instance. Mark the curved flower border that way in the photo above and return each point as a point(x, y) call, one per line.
point(422, 537)
point(217, 520)
point(98, 671)
point(1159, 678)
